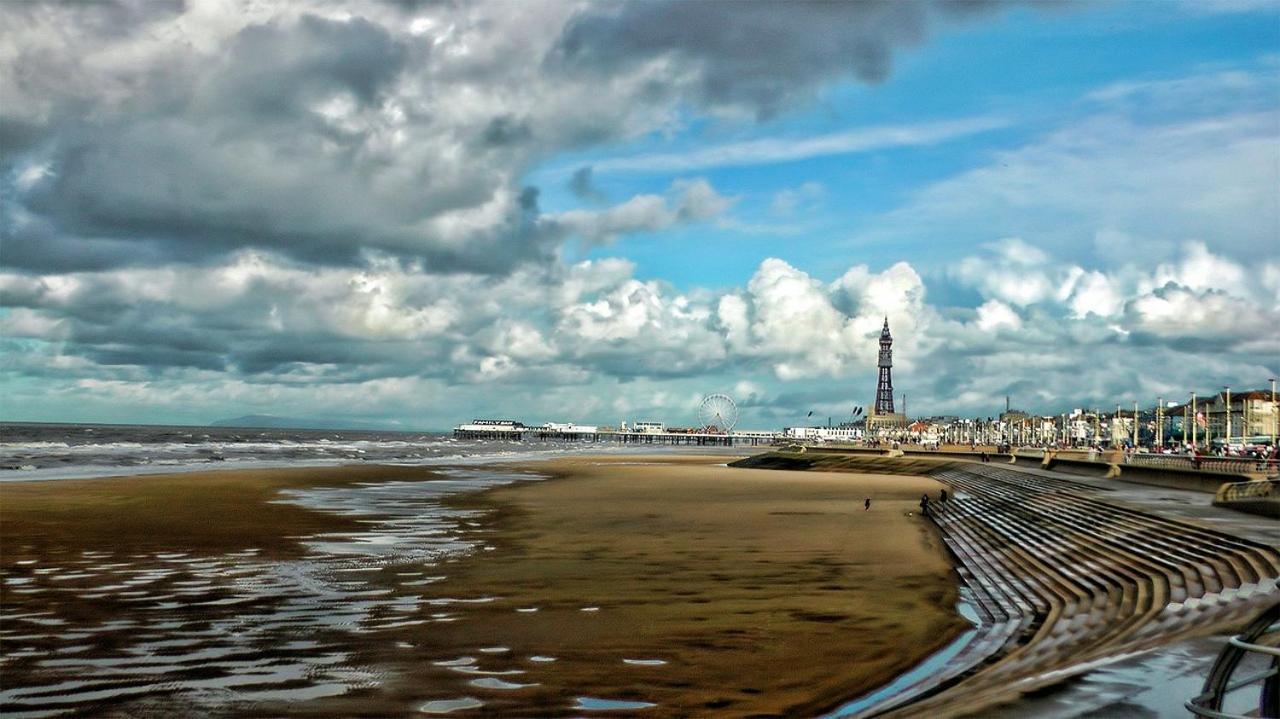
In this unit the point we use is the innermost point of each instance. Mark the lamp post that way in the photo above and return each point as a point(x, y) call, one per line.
point(1226, 444)
point(1135, 424)
point(1115, 426)
point(1159, 440)
point(1275, 414)
point(1186, 412)
point(1194, 424)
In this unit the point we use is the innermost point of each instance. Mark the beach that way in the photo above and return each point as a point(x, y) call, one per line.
point(673, 585)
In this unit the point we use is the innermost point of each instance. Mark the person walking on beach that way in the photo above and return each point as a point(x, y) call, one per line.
point(942, 496)
point(866, 504)
point(924, 504)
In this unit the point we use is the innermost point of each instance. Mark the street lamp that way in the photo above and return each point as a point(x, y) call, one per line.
point(1275, 414)
point(1135, 424)
point(1194, 424)
point(1159, 440)
point(1226, 444)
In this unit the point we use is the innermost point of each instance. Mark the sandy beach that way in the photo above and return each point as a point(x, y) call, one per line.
point(673, 581)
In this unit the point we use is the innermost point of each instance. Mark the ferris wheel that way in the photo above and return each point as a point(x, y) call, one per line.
point(717, 413)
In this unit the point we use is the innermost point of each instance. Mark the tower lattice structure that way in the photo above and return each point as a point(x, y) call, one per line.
point(884, 387)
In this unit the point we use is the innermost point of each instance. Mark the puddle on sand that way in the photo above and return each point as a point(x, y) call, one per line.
point(931, 665)
point(605, 705)
point(213, 633)
point(645, 662)
point(495, 683)
point(445, 706)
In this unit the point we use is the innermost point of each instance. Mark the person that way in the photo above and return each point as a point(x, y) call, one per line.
point(866, 504)
point(924, 504)
point(942, 496)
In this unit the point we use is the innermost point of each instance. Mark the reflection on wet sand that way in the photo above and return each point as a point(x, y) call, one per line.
point(233, 628)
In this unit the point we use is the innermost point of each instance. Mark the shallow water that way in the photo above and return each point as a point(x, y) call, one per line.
point(595, 704)
point(31, 451)
point(96, 628)
point(447, 706)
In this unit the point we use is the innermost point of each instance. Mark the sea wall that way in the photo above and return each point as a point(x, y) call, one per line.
point(916, 462)
point(871, 462)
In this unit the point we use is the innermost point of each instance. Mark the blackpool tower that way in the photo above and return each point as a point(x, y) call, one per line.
point(884, 387)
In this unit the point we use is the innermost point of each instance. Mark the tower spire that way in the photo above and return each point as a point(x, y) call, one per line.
point(884, 386)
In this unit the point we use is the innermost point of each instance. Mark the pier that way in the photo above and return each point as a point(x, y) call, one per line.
point(517, 432)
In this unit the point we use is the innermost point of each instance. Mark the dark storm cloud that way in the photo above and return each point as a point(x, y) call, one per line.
point(760, 54)
point(279, 142)
point(274, 71)
point(506, 130)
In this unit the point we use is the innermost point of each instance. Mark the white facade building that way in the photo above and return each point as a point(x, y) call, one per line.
point(822, 434)
point(570, 428)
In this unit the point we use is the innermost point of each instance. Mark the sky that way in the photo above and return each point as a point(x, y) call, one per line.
point(411, 214)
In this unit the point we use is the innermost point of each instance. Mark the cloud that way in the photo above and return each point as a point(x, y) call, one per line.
point(791, 199)
point(778, 150)
point(752, 56)
point(582, 186)
point(994, 314)
point(694, 201)
point(1117, 186)
point(595, 338)
point(154, 133)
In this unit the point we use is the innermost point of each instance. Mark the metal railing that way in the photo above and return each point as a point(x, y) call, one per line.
point(1213, 464)
point(1259, 638)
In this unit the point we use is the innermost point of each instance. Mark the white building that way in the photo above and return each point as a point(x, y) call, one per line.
point(649, 427)
point(758, 433)
point(822, 434)
point(569, 428)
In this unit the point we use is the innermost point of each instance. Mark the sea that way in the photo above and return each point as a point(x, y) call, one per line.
point(53, 451)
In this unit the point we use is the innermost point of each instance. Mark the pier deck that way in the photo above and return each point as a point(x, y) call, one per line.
point(518, 434)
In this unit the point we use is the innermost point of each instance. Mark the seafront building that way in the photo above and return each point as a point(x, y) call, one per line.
point(1252, 414)
point(824, 434)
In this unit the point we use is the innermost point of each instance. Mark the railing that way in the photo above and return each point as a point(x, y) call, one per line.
point(1220, 683)
point(1258, 489)
point(1233, 465)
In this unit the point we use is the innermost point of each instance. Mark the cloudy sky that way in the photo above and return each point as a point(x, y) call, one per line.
point(414, 213)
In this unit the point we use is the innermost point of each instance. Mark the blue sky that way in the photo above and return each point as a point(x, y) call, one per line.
point(1029, 71)
point(414, 215)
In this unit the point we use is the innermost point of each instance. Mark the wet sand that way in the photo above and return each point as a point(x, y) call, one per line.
point(667, 581)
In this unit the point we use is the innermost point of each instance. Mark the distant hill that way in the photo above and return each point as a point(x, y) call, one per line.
point(271, 421)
